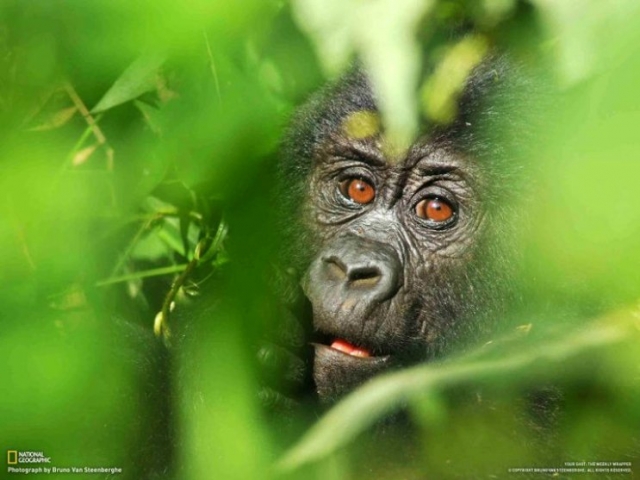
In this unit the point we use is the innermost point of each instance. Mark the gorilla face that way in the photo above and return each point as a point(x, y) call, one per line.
point(401, 252)
point(396, 242)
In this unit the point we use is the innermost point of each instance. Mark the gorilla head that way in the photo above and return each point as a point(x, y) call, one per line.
point(404, 257)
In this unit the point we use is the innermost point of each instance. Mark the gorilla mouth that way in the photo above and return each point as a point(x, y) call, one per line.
point(340, 347)
point(343, 346)
point(345, 359)
point(354, 358)
point(339, 367)
point(346, 343)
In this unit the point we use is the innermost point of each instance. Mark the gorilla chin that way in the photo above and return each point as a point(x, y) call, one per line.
point(336, 372)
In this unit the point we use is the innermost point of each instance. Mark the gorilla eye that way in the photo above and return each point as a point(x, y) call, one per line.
point(435, 209)
point(358, 190)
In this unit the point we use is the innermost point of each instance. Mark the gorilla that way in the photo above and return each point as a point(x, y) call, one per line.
point(383, 258)
point(390, 258)
point(403, 256)
point(380, 259)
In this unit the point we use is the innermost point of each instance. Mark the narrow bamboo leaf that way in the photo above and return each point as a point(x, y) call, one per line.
point(138, 78)
point(156, 272)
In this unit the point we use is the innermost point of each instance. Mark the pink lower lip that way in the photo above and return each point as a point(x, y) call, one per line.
point(345, 347)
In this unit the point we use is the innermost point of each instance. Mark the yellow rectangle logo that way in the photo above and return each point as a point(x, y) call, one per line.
point(12, 457)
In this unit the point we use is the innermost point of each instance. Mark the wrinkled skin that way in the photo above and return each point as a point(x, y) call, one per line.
point(399, 287)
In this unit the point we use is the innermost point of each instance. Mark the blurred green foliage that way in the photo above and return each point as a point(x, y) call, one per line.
point(135, 135)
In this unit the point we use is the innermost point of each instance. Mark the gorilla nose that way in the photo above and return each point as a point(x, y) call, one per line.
point(361, 268)
point(353, 275)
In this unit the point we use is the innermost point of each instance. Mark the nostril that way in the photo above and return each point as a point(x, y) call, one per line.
point(336, 268)
point(364, 276)
point(353, 276)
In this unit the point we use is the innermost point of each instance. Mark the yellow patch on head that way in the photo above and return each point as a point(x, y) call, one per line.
point(361, 124)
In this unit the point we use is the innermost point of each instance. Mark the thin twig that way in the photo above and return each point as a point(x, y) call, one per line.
point(156, 272)
point(212, 64)
point(93, 125)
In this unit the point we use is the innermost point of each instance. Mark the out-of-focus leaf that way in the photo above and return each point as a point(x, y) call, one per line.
point(386, 38)
point(150, 247)
point(494, 11)
point(328, 23)
point(380, 396)
point(138, 78)
point(44, 375)
point(578, 29)
point(383, 35)
point(151, 116)
point(83, 155)
point(441, 91)
point(586, 218)
point(170, 235)
point(57, 120)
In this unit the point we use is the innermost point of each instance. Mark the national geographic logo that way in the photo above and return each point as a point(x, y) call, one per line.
point(15, 457)
point(24, 463)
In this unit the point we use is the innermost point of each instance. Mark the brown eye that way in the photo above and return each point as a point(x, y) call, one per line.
point(434, 209)
point(358, 190)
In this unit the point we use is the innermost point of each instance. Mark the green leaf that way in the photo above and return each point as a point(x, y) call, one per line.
point(441, 92)
point(582, 33)
point(382, 34)
point(151, 248)
point(138, 78)
point(361, 409)
point(151, 116)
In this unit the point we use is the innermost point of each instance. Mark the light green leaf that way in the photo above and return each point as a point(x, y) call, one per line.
point(363, 408)
point(382, 33)
point(138, 78)
point(581, 32)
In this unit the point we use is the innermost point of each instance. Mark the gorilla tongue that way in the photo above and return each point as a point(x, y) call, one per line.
point(345, 347)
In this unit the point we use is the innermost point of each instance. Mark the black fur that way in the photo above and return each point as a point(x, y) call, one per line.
point(451, 283)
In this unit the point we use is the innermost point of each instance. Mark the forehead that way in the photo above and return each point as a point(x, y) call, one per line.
point(345, 115)
point(359, 135)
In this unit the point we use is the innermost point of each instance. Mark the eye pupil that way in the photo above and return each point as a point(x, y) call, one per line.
point(434, 209)
point(359, 191)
